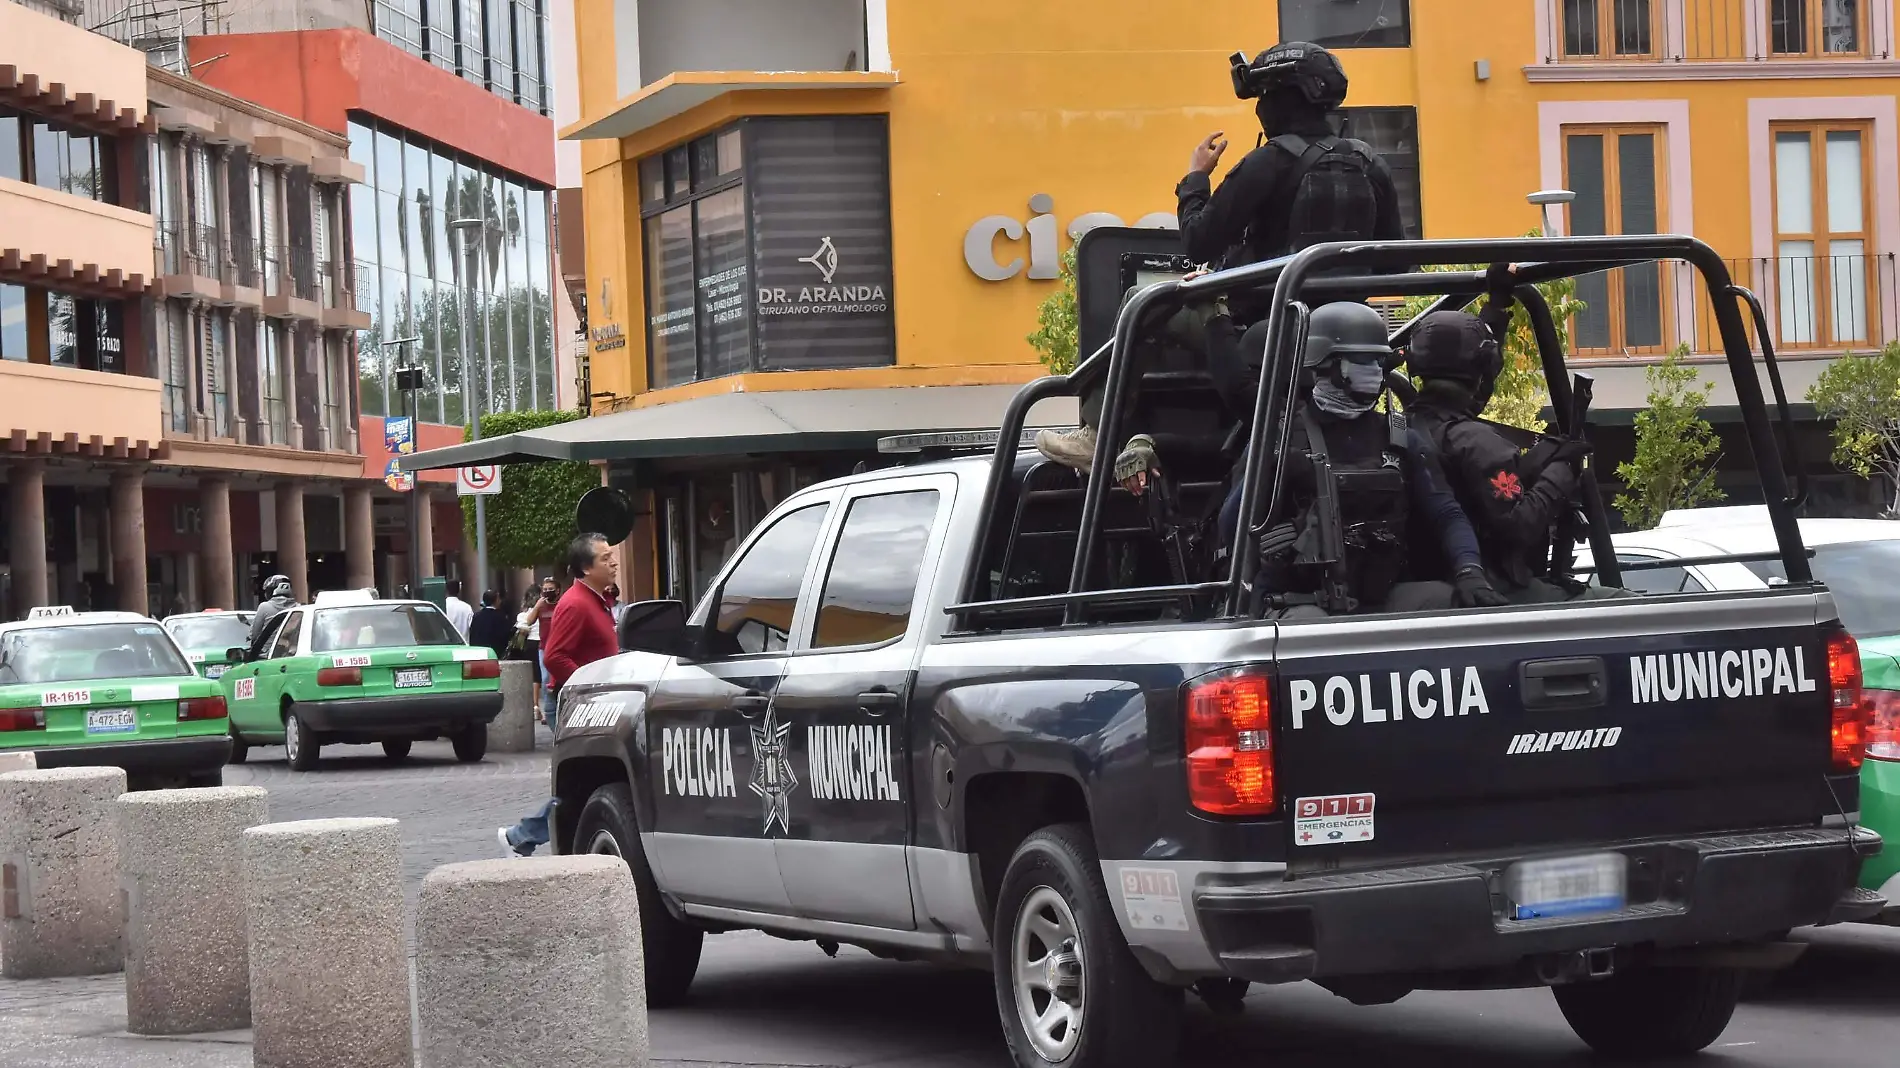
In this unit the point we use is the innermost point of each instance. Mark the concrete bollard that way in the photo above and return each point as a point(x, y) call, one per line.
point(60, 909)
point(186, 948)
point(18, 761)
point(329, 971)
point(513, 730)
point(531, 962)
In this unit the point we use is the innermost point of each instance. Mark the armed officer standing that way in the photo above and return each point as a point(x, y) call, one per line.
point(1515, 497)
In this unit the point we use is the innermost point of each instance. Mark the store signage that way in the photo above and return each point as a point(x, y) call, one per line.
point(1044, 261)
point(187, 519)
point(399, 434)
point(609, 337)
point(823, 298)
point(397, 479)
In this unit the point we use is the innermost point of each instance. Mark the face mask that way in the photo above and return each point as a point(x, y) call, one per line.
point(1351, 389)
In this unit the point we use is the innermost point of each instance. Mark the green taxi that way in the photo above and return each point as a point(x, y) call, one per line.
point(109, 689)
point(351, 669)
point(208, 637)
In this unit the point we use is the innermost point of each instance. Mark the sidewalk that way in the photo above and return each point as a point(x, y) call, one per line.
point(80, 1023)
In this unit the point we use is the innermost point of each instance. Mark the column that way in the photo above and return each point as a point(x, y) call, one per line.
point(216, 555)
point(128, 538)
point(359, 536)
point(425, 534)
point(26, 505)
point(293, 558)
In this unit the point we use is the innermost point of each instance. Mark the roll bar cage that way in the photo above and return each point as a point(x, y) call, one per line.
point(1356, 271)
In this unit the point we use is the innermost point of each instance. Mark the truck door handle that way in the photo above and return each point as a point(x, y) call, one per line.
point(877, 702)
point(1568, 683)
point(751, 703)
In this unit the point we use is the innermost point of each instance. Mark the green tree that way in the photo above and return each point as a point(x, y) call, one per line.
point(1676, 448)
point(531, 520)
point(1862, 395)
point(1056, 322)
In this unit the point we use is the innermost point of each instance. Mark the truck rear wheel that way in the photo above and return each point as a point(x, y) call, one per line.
point(1652, 1012)
point(670, 947)
point(1067, 987)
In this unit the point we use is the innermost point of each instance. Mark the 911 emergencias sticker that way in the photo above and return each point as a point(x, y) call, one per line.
point(1333, 820)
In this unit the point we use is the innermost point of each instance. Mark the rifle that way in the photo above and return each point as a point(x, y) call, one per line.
point(1572, 527)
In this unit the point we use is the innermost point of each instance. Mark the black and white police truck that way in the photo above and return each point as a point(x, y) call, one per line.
point(985, 711)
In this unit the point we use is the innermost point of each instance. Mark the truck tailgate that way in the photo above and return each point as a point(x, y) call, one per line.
point(1599, 722)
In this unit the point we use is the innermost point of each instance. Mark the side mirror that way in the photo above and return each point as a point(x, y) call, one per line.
point(236, 654)
point(657, 627)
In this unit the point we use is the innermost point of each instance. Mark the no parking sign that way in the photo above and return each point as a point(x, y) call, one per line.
point(478, 480)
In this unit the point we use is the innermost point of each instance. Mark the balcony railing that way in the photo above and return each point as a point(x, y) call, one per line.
point(244, 261)
point(1679, 31)
point(190, 248)
point(1822, 304)
point(301, 264)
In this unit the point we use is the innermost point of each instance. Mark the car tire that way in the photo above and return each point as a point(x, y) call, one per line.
point(240, 749)
point(199, 780)
point(1651, 1012)
point(671, 947)
point(301, 747)
point(1094, 1006)
point(397, 750)
point(471, 742)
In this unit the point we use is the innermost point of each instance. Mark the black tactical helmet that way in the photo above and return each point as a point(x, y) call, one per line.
point(1311, 70)
point(1343, 328)
point(1455, 345)
point(277, 586)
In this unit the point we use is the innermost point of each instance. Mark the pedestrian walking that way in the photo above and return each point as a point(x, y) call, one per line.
point(460, 612)
point(491, 627)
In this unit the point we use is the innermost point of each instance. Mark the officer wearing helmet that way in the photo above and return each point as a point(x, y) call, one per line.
point(1514, 497)
point(278, 597)
point(1376, 483)
point(1302, 185)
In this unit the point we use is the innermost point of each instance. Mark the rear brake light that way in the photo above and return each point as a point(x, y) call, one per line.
point(1883, 734)
point(336, 676)
point(1853, 711)
point(1229, 744)
point(201, 708)
point(481, 669)
point(22, 719)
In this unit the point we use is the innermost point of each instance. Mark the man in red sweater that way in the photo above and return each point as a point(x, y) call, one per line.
point(581, 632)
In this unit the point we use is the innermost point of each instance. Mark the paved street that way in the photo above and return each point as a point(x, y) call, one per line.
point(765, 1002)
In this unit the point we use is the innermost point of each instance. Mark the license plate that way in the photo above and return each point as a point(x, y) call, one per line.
point(1567, 886)
point(409, 677)
point(112, 720)
point(216, 671)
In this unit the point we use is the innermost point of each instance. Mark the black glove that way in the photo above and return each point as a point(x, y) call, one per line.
point(1475, 589)
point(1571, 451)
point(1499, 280)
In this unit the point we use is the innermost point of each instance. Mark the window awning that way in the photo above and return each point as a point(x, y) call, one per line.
point(735, 424)
point(682, 91)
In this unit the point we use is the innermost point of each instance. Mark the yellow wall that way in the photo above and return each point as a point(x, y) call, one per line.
point(1098, 103)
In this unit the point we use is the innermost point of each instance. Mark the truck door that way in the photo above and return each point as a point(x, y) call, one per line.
point(718, 767)
point(845, 695)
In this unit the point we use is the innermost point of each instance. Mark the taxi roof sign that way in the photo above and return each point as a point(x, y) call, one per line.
point(331, 598)
point(48, 611)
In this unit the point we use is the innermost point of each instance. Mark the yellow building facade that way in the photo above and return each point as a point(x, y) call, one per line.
point(1765, 127)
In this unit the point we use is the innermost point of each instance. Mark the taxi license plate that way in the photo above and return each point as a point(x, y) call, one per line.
point(112, 720)
point(216, 671)
point(409, 677)
point(1567, 886)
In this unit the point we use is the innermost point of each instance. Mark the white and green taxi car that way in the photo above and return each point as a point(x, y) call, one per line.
point(109, 689)
point(208, 637)
point(351, 669)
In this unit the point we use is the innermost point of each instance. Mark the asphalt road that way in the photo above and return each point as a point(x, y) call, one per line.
point(761, 1001)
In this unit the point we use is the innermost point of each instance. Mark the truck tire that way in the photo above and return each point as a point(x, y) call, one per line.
point(670, 948)
point(471, 743)
point(301, 747)
point(397, 749)
point(1060, 960)
point(1652, 1012)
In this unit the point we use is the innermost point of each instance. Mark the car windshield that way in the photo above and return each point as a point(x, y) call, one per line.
point(220, 631)
point(381, 626)
point(1862, 576)
point(38, 655)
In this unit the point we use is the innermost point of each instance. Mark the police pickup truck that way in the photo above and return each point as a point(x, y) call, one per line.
point(969, 710)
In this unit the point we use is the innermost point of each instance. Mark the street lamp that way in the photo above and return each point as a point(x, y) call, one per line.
point(1545, 199)
point(408, 379)
point(461, 227)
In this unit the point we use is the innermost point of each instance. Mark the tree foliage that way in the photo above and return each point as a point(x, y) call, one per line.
point(1057, 322)
point(1676, 448)
point(531, 520)
point(1861, 394)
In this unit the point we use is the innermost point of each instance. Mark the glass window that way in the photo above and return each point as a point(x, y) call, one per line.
point(1860, 575)
point(679, 177)
point(721, 282)
point(653, 180)
point(287, 635)
point(1346, 23)
point(49, 157)
point(757, 601)
point(1393, 134)
point(37, 656)
point(670, 303)
point(1603, 29)
point(381, 626)
point(211, 630)
point(1821, 234)
point(868, 600)
point(12, 151)
point(1616, 174)
point(13, 322)
point(62, 329)
point(1815, 27)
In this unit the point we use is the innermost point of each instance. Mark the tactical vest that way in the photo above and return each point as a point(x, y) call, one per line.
point(1356, 488)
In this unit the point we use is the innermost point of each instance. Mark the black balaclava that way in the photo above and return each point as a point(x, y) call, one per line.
point(1286, 110)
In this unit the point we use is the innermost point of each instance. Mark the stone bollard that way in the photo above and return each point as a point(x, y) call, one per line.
point(18, 760)
point(531, 962)
point(329, 971)
point(186, 952)
point(513, 730)
point(60, 909)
